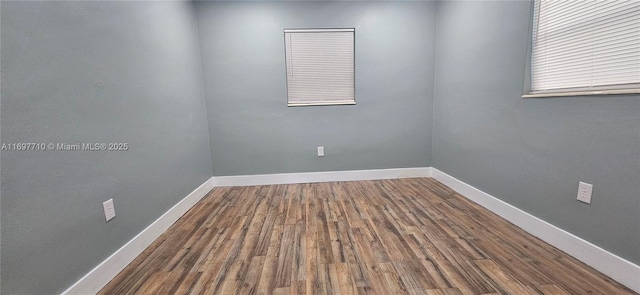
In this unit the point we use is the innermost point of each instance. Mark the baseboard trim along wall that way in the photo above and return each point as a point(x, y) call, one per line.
point(615, 267)
point(618, 268)
point(328, 176)
point(98, 277)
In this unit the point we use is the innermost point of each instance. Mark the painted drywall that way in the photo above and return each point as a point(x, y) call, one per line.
point(531, 153)
point(129, 72)
point(252, 129)
point(75, 72)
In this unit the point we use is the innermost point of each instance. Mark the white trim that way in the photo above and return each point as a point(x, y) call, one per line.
point(318, 30)
point(608, 263)
point(321, 103)
point(308, 177)
point(98, 277)
point(580, 93)
point(618, 268)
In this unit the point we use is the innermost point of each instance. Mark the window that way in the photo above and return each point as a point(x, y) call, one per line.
point(320, 66)
point(586, 47)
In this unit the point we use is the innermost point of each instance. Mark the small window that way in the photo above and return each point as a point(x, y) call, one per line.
point(320, 66)
point(586, 47)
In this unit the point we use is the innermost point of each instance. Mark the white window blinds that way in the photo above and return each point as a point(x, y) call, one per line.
point(585, 45)
point(320, 66)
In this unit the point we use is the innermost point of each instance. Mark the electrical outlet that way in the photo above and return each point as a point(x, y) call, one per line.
point(584, 192)
point(109, 211)
point(320, 151)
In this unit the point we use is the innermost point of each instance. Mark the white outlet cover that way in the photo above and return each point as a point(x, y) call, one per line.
point(320, 151)
point(109, 210)
point(584, 192)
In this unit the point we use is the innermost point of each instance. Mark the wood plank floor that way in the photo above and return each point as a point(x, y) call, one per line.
point(408, 236)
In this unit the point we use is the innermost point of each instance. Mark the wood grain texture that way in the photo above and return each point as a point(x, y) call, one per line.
point(406, 236)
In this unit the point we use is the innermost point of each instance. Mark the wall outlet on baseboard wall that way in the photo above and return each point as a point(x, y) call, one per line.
point(584, 192)
point(320, 151)
point(109, 211)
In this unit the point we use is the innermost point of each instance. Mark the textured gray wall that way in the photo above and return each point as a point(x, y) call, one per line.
point(252, 129)
point(94, 72)
point(531, 153)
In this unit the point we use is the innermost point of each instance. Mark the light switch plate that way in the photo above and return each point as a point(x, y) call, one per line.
point(320, 151)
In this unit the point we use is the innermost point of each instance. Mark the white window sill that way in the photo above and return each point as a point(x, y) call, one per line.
point(581, 93)
point(320, 103)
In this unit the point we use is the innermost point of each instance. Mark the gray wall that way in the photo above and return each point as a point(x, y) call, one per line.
point(252, 129)
point(531, 153)
point(94, 72)
point(130, 72)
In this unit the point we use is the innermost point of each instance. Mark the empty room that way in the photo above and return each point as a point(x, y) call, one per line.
point(320, 147)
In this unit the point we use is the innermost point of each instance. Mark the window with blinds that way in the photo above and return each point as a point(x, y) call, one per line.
point(586, 46)
point(320, 66)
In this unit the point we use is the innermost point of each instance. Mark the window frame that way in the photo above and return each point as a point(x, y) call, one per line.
point(296, 103)
point(613, 89)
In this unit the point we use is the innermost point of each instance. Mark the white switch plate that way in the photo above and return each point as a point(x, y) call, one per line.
point(584, 192)
point(109, 211)
point(320, 151)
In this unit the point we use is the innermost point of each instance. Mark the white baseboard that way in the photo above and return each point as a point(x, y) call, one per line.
point(98, 277)
point(615, 267)
point(618, 268)
point(308, 177)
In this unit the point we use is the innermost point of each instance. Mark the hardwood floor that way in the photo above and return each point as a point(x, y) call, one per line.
point(408, 236)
